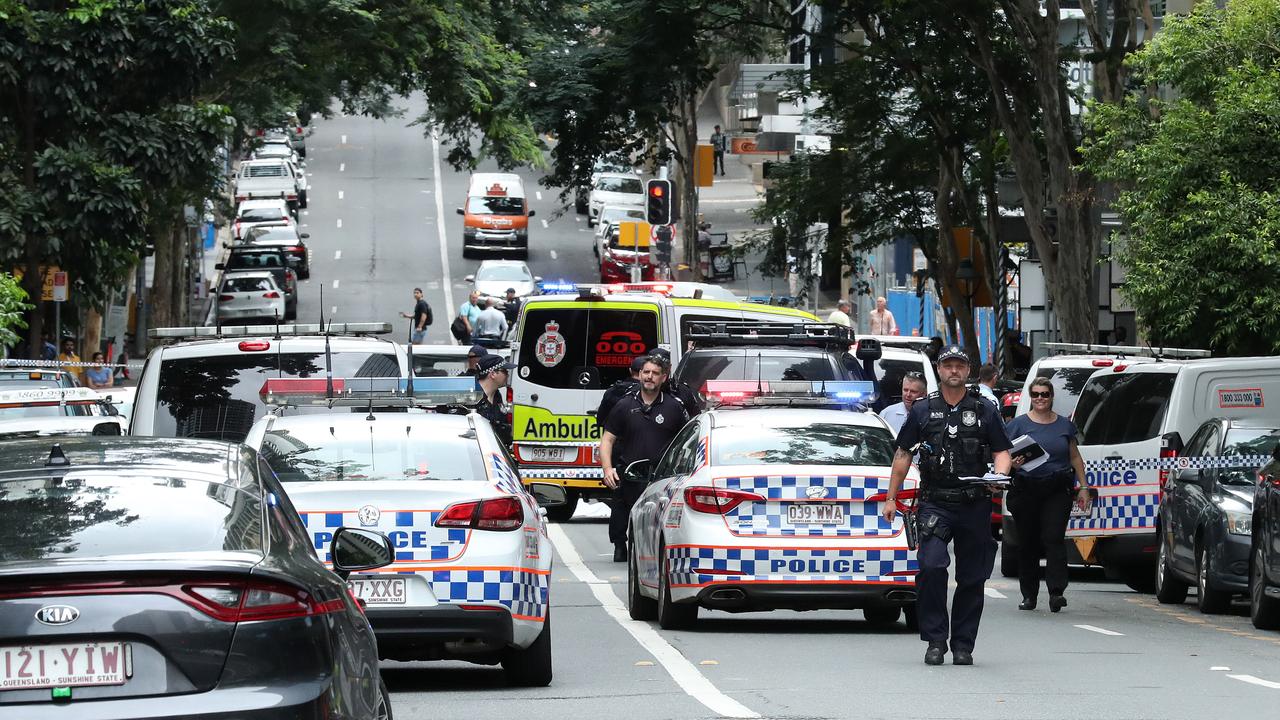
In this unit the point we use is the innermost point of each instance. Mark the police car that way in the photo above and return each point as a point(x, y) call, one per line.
point(471, 576)
point(57, 411)
point(764, 506)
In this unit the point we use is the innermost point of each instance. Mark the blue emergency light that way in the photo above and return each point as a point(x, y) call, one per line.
point(439, 385)
point(559, 288)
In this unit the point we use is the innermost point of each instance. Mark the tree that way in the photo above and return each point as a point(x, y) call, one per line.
point(12, 309)
point(1198, 187)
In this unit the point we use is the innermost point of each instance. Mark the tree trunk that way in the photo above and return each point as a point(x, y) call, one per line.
point(161, 302)
point(948, 260)
point(32, 278)
point(90, 334)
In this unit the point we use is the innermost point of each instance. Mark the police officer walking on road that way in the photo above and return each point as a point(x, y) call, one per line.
point(626, 386)
point(682, 392)
point(955, 432)
point(493, 374)
point(638, 428)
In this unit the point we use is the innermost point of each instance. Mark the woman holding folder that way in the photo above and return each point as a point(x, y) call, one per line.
point(1046, 467)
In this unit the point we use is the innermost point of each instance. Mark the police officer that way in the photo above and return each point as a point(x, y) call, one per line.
point(473, 360)
point(617, 391)
point(682, 392)
point(955, 432)
point(492, 374)
point(638, 428)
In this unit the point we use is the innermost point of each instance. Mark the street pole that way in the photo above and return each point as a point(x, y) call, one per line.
point(1002, 311)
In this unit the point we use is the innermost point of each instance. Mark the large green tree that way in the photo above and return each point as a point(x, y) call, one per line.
point(1198, 166)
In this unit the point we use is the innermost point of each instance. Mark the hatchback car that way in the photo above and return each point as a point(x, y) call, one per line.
point(614, 189)
point(286, 239)
point(250, 296)
point(173, 578)
point(269, 259)
point(493, 277)
point(251, 213)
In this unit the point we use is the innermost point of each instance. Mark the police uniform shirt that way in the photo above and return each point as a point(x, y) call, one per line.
point(491, 409)
point(617, 391)
point(972, 412)
point(643, 431)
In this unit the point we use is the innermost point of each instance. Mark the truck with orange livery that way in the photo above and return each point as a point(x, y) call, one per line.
point(496, 215)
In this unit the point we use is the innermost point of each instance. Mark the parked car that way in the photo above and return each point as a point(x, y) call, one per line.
point(1264, 548)
point(1206, 515)
point(493, 277)
point(251, 258)
point(16, 376)
point(286, 239)
point(161, 577)
point(252, 213)
point(270, 180)
point(613, 189)
point(277, 150)
point(252, 296)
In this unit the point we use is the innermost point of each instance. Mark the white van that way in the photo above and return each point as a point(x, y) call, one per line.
point(1130, 417)
point(1074, 363)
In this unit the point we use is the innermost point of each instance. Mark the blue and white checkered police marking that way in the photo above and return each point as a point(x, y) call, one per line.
point(410, 544)
point(1110, 512)
point(524, 593)
point(1180, 463)
point(789, 565)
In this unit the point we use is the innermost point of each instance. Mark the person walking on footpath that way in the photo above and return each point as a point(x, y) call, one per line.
point(421, 318)
point(882, 322)
point(639, 427)
point(1040, 499)
point(955, 432)
point(719, 145)
point(840, 316)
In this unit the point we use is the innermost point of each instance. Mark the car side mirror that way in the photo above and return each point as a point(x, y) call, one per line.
point(354, 549)
point(107, 428)
point(642, 469)
point(305, 236)
point(460, 211)
point(532, 213)
point(548, 494)
point(469, 278)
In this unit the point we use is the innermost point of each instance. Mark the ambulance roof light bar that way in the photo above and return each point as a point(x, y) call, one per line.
point(757, 333)
point(787, 393)
point(370, 392)
point(295, 330)
point(1122, 350)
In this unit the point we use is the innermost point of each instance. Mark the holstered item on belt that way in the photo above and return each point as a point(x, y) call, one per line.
point(955, 495)
point(911, 524)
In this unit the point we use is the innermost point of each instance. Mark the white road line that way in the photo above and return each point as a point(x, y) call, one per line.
point(683, 672)
point(337, 254)
point(444, 246)
point(342, 167)
point(339, 222)
point(306, 213)
point(553, 254)
point(538, 193)
point(335, 284)
point(339, 194)
point(333, 310)
point(1100, 631)
point(1256, 681)
point(544, 224)
point(994, 593)
point(1219, 668)
point(344, 139)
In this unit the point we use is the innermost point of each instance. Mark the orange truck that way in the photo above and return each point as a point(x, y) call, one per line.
point(496, 216)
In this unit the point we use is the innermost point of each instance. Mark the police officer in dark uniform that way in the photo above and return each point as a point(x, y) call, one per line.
point(638, 428)
point(493, 374)
point(620, 389)
point(473, 359)
point(956, 432)
point(682, 392)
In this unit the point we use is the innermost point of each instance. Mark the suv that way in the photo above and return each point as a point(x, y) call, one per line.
point(272, 260)
point(1068, 372)
point(1206, 514)
point(613, 189)
point(209, 384)
point(1130, 419)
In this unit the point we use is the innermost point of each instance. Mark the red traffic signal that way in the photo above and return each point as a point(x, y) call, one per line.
point(658, 205)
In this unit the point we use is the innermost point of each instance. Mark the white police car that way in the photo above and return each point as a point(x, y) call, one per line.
point(761, 508)
point(473, 562)
point(43, 411)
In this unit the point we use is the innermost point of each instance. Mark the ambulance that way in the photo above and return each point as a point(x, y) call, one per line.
point(496, 216)
point(571, 347)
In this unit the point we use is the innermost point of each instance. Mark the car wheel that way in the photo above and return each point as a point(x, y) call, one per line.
point(1008, 558)
point(1211, 601)
point(383, 709)
point(639, 607)
point(302, 199)
point(1169, 589)
point(304, 272)
point(882, 615)
point(671, 615)
point(291, 312)
point(1264, 611)
point(530, 667)
point(564, 513)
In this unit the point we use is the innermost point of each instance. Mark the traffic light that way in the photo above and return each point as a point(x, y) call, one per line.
point(658, 202)
point(662, 248)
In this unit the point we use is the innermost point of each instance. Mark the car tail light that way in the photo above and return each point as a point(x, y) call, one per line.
point(500, 513)
point(226, 298)
point(262, 133)
point(299, 130)
point(291, 196)
point(717, 501)
point(255, 345)
point(273, 295)
point(904, 494)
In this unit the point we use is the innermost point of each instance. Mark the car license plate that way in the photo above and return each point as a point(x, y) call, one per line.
point(550, 454)
point(380, 591)
point(31, 667)
point(815, 514)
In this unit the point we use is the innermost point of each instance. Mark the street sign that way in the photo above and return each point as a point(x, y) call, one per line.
point(46, 271)
point(60, 289)
point(704, 166)
point(629, 233)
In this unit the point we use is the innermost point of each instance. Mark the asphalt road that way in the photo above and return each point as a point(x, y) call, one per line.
point(382, 221)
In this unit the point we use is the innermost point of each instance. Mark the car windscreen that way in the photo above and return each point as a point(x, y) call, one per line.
point(438, 365)
point(255, 260)
point(816, 444)
point(217, 397)
point(889, 373)
point(1247, 441)
point(1115, 409)
point(264, 171)
point(697, 368)
point(495, 205)
point(247, 284)
point(262, 214)
point(612, 215)
point(382, 449)
point(88, 514)
point(272, 232)
point(1067, 383)
point(630, 186)
point(504, 273)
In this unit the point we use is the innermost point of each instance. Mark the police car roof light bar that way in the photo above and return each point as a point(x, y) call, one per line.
point(758, 333)
point(909, 342)
point(787, 393)
point(370, 392)
point(295, 330)
point(1122, 350)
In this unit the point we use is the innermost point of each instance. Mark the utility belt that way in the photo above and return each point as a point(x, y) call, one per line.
point(954, 495)
point(1065, 477)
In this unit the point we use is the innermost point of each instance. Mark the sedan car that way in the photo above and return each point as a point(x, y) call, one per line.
point(755, 509)
point(494, 277)
point(287, 239)
point(614, 189)
point(277, 150)
point(250, 296)
point(252, 213)
point(471, 580)
point(144, 577)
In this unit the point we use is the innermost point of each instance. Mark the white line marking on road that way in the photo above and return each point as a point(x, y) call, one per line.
point(553, 254)
point(306, 213)
point(683, 672)
point(333, 310)
point(339, 194)
point(344, 139)
point(339, 222)
point(544, 225)
point(335, 284)
point(1256, 681)
point(1100, 631)
point(337, 254)
point(994, 593)
point(538, 193)
point(1220, 668)
point(444, 245)
point(342, 167)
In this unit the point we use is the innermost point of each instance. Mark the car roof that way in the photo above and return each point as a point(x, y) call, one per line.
point(443, 421)
point(789, 417)
point(264, 161)
point(618, 175)
point(250, 249)
point(1085, 361)
point(202, 347)
point(248, 273)
point(139, 454)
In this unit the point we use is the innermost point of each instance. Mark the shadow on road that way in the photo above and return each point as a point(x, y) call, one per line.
point(773, 624)
point(429, 676)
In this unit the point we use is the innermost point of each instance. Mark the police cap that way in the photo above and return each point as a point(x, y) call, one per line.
point(953, 352)
point(490, 363)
